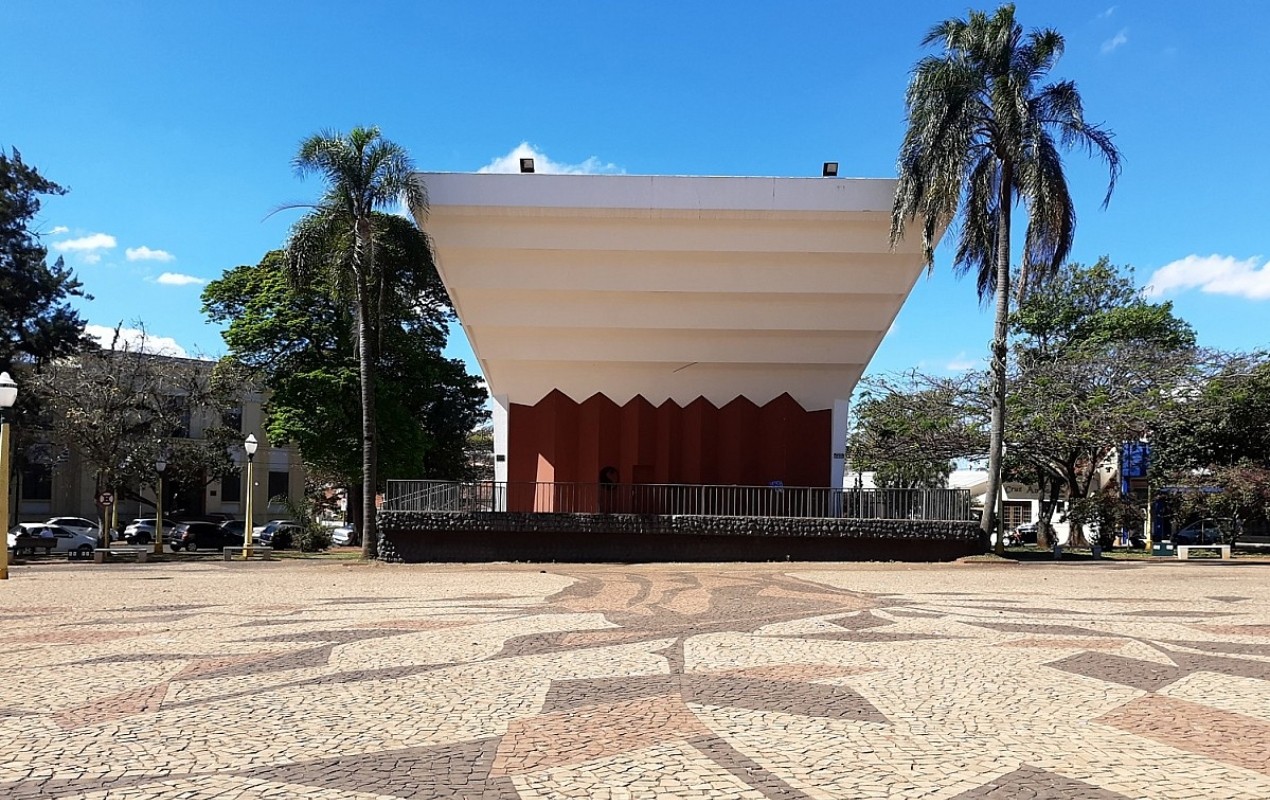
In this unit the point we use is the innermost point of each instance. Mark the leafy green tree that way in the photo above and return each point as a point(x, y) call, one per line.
point(909, 430)
point(37, 322)
point(1214, 451)
point(984, 134)
point(1223, 420)
point(1096, 365)
point(299, 342)
point(336, 244)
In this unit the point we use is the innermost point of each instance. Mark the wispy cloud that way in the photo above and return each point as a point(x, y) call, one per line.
point(178, 279)
point(961, 362)
point(1115, 42)
point(86, 244)
point(1105, 14)
point(144, 253)
point(1215, 274)
point(58, 230)
point(543, 164)
point(135, 338)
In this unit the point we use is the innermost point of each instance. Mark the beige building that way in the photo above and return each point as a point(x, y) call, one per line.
point(60, 482)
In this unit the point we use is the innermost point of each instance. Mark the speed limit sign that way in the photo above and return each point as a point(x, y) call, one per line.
point(106, 499)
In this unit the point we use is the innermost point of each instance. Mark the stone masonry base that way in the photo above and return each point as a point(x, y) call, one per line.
point(411, 536)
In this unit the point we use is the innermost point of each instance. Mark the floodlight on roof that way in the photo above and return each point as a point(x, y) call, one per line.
point(526, 166)
point(829, 170)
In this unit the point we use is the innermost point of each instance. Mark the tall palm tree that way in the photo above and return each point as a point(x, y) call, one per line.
point(983, 134)
point(337, 240)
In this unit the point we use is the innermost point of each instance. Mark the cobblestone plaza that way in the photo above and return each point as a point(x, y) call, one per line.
point(337, 680)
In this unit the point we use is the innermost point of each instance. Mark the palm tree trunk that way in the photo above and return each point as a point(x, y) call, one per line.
point(996, 442)
point(366, 365)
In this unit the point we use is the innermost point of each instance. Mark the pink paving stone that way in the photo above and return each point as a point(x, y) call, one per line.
point(116, 706)
point(1195, 728)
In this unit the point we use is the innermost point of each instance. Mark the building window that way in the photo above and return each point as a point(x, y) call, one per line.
point(37, 482)
point(233, 419)
point(177, 410)
point(1015, 513)
point(231, 487)
point(279, 485)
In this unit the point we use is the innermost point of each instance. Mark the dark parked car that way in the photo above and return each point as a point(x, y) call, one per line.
point(1205, 531)
point(279, 534)
point(234, 526)
point(193, 536)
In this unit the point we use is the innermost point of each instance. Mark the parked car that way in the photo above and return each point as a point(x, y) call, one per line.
point(141, 531)
point(76, 524)
point(193, 536)
point(234, 527)
point(257, 530)
point(344, 536)
point(1204, 531)
point(280, 533)
point(66, 539)
point(216, 517)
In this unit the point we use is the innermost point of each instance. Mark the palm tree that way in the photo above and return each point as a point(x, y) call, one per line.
point(364, 173)
point(983, 134)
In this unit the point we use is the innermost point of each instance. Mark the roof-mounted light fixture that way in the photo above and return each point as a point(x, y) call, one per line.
point(526, 166)
point(829, 170)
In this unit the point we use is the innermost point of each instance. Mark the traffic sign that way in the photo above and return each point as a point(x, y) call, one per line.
point(106, 499)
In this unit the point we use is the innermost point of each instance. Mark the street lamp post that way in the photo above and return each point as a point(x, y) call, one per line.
point(249, 446)
point(8, 395)
point(159, 466)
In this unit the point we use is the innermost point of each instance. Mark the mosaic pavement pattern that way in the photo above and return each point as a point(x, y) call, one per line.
point(704, 681)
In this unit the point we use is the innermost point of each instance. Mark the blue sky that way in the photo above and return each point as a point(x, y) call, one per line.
point(173, 124)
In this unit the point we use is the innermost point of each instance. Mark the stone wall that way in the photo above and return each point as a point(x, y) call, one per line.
point(510, 536)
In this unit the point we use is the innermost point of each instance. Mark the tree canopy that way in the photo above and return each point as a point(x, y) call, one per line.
point(985, 133)
point(300, 341)
point(336, 245)
point(123, 407)
point(37, 322)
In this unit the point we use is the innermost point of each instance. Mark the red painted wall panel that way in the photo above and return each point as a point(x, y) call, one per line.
point(560, 440)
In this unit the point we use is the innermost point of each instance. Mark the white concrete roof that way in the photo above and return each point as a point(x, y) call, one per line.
point(670, 287)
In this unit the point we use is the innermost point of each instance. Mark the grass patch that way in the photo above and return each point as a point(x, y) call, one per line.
point(349, 554)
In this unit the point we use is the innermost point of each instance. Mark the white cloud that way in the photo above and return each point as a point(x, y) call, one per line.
point(1116, 41)
point(178, 279)
point(91, 258)
point(137, 338)
point(1104, 14)
point(1215, 274)
point(58, 230)
point(544, 165)
point(86, 244)
point(144, 253)
point(961, 363)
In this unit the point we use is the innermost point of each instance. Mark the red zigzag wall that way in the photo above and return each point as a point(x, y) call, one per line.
point(559, 440)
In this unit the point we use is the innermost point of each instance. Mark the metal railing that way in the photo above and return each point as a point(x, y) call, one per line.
point(678, 499)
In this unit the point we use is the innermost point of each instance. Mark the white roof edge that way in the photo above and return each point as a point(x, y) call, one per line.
point(668, 192)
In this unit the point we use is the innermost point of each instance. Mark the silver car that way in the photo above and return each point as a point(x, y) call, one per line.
point(65, 540)
point(141, 531)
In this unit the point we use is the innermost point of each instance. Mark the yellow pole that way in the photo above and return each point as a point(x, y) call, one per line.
point(158, 518)
point(247, 523)
point(4, 497)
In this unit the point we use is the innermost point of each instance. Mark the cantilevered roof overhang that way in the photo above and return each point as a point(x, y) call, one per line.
point(670, 287)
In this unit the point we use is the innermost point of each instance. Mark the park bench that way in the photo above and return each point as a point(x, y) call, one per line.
point(27, 545)
point(141, 552)
point(1184, 550)
point(236, 551)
